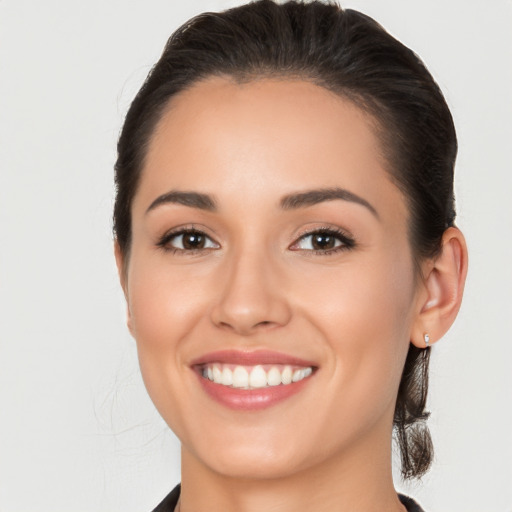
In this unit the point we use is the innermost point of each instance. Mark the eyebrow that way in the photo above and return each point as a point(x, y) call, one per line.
point(192, 199)
point(312, 197)
point(288, 202)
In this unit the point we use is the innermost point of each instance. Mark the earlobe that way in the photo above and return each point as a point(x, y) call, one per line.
point(443, 285)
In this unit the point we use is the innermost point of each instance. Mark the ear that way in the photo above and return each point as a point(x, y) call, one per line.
point(121, 270)
point(443, 286)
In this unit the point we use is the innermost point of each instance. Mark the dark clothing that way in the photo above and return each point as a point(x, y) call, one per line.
point(410, 504)
point(172, 499)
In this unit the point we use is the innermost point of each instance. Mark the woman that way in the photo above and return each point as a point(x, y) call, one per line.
point(285, 239)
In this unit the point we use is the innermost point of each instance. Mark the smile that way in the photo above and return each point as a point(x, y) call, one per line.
point(254, 377)
point(252, 380)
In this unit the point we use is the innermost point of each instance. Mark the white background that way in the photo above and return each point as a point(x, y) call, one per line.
point(77, 431)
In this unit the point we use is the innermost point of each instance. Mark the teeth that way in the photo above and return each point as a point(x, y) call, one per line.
point(274, 377)
point(227, 377)
point(297, 375)
point(240, 377)
point(217, 374)
point(254, 377)
point(286, 376)
point(258, 377)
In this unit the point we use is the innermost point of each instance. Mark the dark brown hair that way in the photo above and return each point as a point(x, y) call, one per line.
point(346, 52)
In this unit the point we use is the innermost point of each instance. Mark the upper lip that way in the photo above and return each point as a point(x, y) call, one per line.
point(251, 358)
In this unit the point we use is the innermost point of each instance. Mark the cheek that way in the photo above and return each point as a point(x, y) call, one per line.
point(164, 301)
point(165, 306)
point(365, 312)
point(368, 295)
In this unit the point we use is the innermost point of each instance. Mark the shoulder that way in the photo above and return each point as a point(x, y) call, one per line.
point(170, 501)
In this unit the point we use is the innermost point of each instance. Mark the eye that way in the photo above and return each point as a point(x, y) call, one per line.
point(187, 240)
point(323, 241)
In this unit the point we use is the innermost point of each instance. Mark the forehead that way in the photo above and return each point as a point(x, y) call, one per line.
point(263, 138)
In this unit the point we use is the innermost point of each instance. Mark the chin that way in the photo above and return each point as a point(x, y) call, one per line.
point(255, 459)
point(256, 466)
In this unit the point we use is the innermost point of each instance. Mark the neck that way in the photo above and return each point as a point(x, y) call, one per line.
point(359, 478)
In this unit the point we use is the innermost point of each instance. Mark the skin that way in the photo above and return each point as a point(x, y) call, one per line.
point(260, 284)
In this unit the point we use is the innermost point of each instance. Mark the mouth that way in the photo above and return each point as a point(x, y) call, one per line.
point(254, 377)
point(252, 380)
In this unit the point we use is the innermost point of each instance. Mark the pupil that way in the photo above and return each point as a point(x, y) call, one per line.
point(323, 241)
point(193, 241)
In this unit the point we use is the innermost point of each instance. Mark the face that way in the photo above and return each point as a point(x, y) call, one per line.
point(270, 286)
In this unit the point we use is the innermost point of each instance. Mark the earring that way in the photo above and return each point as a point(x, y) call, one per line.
point(426, 337)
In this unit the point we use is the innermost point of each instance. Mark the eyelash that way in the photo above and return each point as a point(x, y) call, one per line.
point(347, 242)
point(165, 240)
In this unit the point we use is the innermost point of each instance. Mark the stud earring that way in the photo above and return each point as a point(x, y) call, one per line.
point(426, 337)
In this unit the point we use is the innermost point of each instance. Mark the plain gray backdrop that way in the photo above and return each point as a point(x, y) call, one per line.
point(77, 430)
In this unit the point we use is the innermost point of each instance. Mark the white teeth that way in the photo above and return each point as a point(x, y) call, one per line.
point(227, 376)
point(240, 377)
point(297, 375)
point(254, 377)
point(286, 376)
point(258, 377)
point(274, 377)
point(217, 374)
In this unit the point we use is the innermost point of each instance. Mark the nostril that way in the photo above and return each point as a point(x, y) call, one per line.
point(246, 313)
point(247, 329)
point(266, 324)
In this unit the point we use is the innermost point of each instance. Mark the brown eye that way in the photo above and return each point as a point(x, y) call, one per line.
point(193, 241)
point(188, 241)
point(323, 241)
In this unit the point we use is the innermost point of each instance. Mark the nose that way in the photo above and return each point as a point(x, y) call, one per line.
point(253, 295)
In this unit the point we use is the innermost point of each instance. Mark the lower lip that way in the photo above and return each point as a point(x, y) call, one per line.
point(251, 399)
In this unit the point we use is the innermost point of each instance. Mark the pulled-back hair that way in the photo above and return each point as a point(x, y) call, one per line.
point(350, 54)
